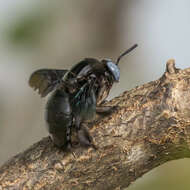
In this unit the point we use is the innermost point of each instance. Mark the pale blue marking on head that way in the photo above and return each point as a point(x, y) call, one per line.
point(114, 69)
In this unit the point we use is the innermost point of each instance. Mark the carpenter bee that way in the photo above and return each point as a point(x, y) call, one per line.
point(77, 95)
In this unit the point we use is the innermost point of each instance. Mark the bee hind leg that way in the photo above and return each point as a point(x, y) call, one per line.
point(84, 137)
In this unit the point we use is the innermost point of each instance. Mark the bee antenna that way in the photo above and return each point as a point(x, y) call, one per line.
point(125, 53)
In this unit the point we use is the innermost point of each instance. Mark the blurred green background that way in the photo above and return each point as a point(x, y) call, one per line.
point(57, 34)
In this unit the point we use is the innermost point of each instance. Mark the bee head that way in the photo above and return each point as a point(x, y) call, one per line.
point(113, 67)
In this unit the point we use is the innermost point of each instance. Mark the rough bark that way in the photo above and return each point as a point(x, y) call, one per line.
point(150, 126)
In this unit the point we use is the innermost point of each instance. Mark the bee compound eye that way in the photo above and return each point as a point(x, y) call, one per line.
point(114, 69)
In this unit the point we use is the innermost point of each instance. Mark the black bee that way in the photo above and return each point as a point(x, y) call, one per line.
point(78, 95)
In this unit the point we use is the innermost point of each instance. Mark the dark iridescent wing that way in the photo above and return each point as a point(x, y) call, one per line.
point(83, 68)
point(76, 69)
point(46, 80)
point(84, 102)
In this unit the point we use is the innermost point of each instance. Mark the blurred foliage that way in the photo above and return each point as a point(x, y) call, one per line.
point(29, 29)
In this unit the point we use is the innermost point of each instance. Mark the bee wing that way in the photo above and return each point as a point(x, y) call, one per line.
point(84, 102)
point(46, 80)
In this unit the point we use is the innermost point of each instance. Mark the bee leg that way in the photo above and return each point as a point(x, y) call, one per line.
point(68, 137)
point(105, 109)
point(84, 137)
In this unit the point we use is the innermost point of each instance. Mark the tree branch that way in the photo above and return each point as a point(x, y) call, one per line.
point(150, 126)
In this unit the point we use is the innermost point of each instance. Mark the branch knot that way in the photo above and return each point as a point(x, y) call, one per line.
point(170, 66)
